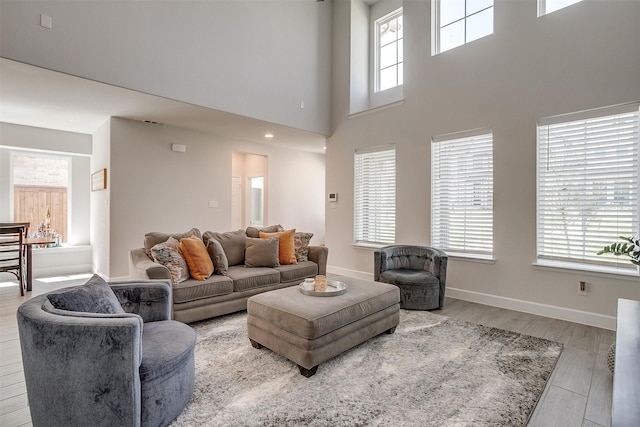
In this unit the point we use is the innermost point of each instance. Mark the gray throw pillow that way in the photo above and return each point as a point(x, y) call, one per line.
point(262, 252)
point(95, 296)
point(232, 243)
point(220, 262)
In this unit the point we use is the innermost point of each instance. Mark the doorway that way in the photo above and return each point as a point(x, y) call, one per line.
point(249, 190)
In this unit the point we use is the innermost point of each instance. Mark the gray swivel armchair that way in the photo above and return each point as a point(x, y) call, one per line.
point(106, 355)
point(419, 271)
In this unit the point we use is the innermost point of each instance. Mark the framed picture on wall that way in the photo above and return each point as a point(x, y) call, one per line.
point(99, 180)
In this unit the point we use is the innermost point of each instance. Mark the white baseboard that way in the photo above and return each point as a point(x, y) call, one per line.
point(554, 312)
point(61, 271)
point(349, 273)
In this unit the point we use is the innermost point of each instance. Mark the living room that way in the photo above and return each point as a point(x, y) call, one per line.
point(582, 57)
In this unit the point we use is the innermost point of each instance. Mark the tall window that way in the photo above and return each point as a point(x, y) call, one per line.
point(588, 184)
point(40, 185)
point(389, 51)
point(462, 193)
point(461, 21)
point(375, 196)
point(548, 6)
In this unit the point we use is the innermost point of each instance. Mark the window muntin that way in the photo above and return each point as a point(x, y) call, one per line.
point(389, 53)
point(549, 6)
point(462, 193)
point(588, 173)
point(375, 196)
point(461, 21)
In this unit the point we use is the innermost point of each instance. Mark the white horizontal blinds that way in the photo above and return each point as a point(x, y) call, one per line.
point(462, 194)
point(375, 196)
point(588, 185)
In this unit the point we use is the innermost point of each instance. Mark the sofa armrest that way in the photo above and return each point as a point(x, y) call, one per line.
point(141, 267)
point(319, 254)
point(151, 300)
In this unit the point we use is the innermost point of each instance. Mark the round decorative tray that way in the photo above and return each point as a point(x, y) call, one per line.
point(334, 288)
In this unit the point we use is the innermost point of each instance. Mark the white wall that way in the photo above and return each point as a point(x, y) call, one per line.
point(257, 58)
point(100, 201)
point(155, 189)
point(581, 57)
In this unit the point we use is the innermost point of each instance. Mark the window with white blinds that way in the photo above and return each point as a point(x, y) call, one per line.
point(462, 193)
point(588, 184)
point(375, 196)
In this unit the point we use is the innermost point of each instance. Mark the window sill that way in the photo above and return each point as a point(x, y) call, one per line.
point(64, 248)
point(375, 109)
point(590, 270)
point(369, 246)
point(482, 259)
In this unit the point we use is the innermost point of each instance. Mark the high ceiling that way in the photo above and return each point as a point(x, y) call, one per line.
point(37, 97)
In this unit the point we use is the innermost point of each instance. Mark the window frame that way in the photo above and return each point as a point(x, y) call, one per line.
point(45, 155)
point(437, 29)
point(593, 184)
point(542, 7)
point(371, 232)
point(478, 243)
point(377, 51)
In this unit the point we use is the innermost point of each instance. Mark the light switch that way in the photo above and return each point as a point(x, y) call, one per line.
point(46, 21)
point(213, 203)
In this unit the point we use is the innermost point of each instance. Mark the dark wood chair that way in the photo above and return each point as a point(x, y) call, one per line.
point(13, 252)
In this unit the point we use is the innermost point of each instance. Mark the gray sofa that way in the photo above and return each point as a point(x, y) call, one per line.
point(106, 355)
point(224, 291)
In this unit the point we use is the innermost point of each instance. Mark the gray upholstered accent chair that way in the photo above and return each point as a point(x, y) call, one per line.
point(419, 271)
point(106, 355)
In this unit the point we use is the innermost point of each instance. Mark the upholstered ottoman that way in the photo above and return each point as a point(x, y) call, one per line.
point(309, 330)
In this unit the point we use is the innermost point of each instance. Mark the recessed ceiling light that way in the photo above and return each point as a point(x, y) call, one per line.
point(268, 135)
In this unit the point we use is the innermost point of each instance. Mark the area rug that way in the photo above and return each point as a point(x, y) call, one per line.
point(433, 371)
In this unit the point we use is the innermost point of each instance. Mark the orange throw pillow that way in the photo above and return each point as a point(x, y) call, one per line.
point(197, 257)
point(286, 246)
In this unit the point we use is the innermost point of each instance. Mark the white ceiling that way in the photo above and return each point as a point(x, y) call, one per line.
point(37, 97)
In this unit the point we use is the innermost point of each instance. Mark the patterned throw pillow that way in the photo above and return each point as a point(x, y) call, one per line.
point(168, 254)
point(302, 240)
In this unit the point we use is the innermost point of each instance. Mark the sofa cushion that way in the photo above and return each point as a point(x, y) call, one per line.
point(301, 241)
point(216, 253)
point(168, 254)
point(95, 296)
point(286, 247)
point(251, 278)
point(300, 271)
point(191, 290)
point(232, 242)
point(153, 238)
point(197, 257)
point(261, 252)
point(254, 232)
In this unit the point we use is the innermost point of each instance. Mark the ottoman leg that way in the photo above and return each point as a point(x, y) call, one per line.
point(255, 344)
point(392, 330)
point(308, 372)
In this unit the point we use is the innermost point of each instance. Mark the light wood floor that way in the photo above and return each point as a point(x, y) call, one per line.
point(577, 394)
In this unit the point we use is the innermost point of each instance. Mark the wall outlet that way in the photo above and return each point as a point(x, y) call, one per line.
point(582, 288)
